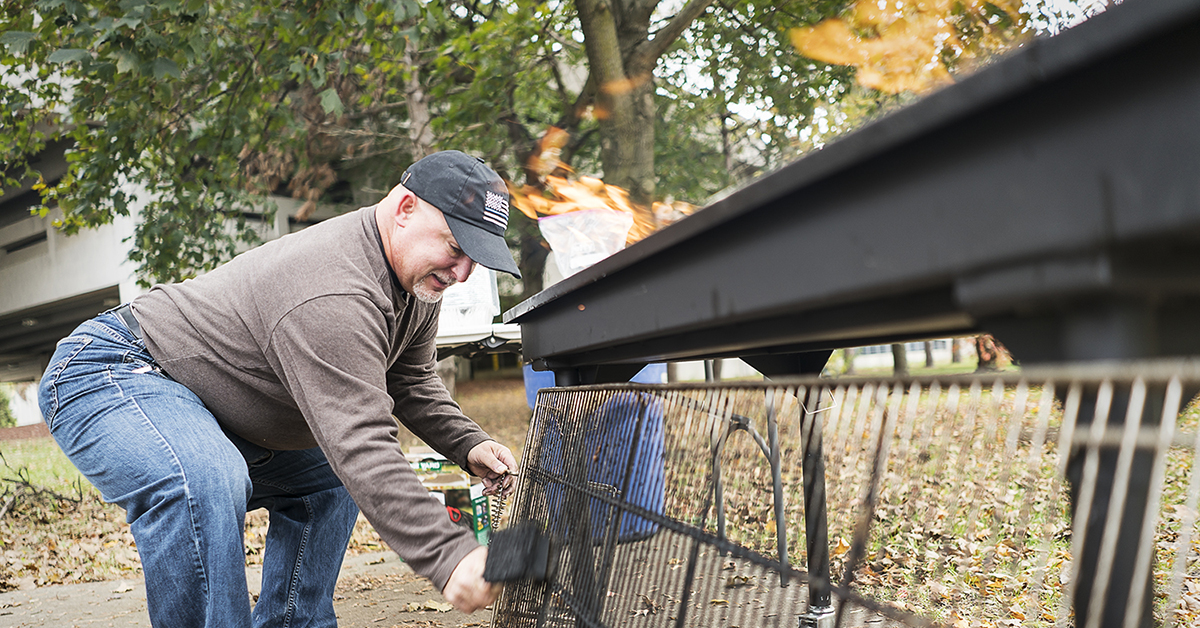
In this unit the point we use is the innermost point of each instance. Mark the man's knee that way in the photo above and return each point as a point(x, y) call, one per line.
point(215, 483)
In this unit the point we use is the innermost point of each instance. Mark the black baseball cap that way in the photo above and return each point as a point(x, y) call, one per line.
point(474, 200)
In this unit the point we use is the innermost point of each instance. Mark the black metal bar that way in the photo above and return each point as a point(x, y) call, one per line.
point(578, 514)
point(1096, 518)
point(718, 484)
point(816, 525)
point(581, 609)
point(858, 547)
point(688, 578)
point(781, 544)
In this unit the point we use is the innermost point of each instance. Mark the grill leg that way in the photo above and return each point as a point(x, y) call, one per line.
point(1120, 576)
point(818, 617)
point(781, 540)
point(1111, 329)
point(816, 526)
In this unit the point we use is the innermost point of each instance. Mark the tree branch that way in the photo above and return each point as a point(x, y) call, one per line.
point(570, 119)
point(646, 55)
point(573, 146)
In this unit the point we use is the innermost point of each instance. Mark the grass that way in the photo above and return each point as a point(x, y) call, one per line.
point(43, 460)
point(57, 529)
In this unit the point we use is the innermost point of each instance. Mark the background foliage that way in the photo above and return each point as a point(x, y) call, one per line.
point(7, 419)
point(191, 111)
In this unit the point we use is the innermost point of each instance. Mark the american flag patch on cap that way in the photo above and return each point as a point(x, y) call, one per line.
point(495, 209)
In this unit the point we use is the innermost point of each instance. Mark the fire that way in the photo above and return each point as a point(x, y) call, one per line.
point(562, 195)
point(550, 148)
point(592, 193)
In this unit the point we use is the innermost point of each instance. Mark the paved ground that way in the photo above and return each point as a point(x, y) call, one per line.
point(374, 591)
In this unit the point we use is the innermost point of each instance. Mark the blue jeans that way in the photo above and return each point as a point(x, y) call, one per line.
point(149, 444)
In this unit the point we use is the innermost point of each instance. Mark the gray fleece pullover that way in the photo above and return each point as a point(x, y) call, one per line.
point(309, 340)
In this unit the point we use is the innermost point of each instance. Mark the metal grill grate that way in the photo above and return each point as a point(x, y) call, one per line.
point(948, 502)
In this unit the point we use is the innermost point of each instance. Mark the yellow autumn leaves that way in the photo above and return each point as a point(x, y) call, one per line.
point(901, 45)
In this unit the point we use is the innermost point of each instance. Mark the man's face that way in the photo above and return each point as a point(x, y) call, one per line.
point(431, 261)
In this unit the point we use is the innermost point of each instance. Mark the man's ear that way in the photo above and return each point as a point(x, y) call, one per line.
point(406, 208)
point(401, 204)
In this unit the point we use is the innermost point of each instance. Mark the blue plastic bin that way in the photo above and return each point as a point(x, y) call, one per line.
point(537, 380)
point(604, 453)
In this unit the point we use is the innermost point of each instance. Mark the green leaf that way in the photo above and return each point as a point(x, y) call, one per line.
point(131, 22)
point(126, 61)
point(17, 41)
point(165, 67)
point(331, 102)
point(401, 10)
point(68, 55)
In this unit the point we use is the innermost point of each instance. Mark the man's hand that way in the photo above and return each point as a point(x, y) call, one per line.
point(466, 589)
point(495, 464)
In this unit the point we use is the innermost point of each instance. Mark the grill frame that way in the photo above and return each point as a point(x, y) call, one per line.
point(892, 408)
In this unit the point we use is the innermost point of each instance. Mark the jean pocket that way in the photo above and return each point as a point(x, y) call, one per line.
point(48, 398)
point(261, 459)
point(136, 362)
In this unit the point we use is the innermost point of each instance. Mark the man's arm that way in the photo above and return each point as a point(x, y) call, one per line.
point(425, 407)
point(331, 357)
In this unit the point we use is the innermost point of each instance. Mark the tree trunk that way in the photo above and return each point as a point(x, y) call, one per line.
point(533, 253)
point(955, 346)
point(849, 359)
point(419, 129)
point(899, 360)
point(621, 59)
point(928, 354)
point(722, 114)
point(988, 352)
point(447, 371)
point(712, 370)
point(624, 98)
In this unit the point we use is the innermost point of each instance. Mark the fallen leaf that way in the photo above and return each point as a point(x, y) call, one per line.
point(737, 581)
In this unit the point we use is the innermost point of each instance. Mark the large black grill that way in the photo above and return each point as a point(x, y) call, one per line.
point(685, 505)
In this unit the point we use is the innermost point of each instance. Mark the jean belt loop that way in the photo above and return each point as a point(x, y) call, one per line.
point(126, 314)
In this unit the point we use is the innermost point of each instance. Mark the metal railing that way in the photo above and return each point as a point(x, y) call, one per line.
point(945, 501)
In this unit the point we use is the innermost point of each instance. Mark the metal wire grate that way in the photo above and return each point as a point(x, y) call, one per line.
point(948, 501)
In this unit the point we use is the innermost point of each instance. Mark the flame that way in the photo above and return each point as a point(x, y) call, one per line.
point(624, 86)
point(547, 159)
point(906, 54)
point(562, 195)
